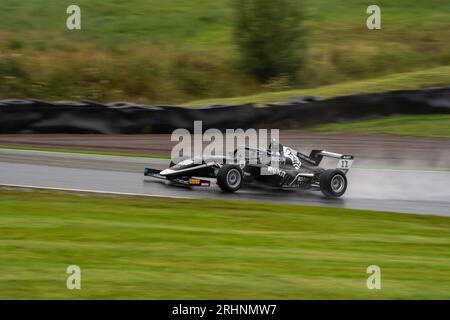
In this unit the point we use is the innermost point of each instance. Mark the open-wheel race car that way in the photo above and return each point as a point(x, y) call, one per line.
point(278, 166)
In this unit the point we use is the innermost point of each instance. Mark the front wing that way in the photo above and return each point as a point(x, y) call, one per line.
point(190, 181)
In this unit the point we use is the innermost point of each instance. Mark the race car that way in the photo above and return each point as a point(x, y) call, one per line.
point(278, 166)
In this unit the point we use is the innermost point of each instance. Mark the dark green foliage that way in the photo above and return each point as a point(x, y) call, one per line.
point(270, 37)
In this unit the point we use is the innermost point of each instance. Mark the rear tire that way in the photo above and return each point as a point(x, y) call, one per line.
point(333, 183)
point(230, 178)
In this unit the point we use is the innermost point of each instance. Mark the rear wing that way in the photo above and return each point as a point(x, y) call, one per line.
point(344, 164)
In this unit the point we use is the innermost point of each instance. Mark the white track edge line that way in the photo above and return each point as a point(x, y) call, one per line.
point(91, 191)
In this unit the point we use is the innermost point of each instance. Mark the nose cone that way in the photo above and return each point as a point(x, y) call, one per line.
point(166, 172)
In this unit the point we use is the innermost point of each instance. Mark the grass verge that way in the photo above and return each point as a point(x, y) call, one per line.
point(154, 248)
point(108, 153)
point(434, 126)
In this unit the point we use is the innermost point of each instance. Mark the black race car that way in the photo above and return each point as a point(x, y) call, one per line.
point(278, 166)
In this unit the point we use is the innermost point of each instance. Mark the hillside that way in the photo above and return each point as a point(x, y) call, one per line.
point(176, 51)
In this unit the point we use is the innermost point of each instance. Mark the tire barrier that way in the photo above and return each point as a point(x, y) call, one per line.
point(36, 116)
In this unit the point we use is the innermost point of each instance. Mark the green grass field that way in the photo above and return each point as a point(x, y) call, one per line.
point(176, 51)
point(106, 153)
point(136, 247)
point(439, 76)
point(201, 23)
point(434, 126)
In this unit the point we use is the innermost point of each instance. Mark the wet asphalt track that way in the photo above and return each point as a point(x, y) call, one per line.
point(422, 192)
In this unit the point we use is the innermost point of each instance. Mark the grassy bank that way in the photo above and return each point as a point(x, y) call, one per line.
point(176, 51)
point(107, 153)
point(439, 76)
point(435, 126)
point(132, 247)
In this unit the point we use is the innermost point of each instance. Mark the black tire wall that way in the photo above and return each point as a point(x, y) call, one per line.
point(36, 116)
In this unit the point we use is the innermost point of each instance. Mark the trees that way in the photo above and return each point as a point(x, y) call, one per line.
point(269, 36)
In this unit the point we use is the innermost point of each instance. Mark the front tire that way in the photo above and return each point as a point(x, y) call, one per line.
point(230, 178)
point(333, 183)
